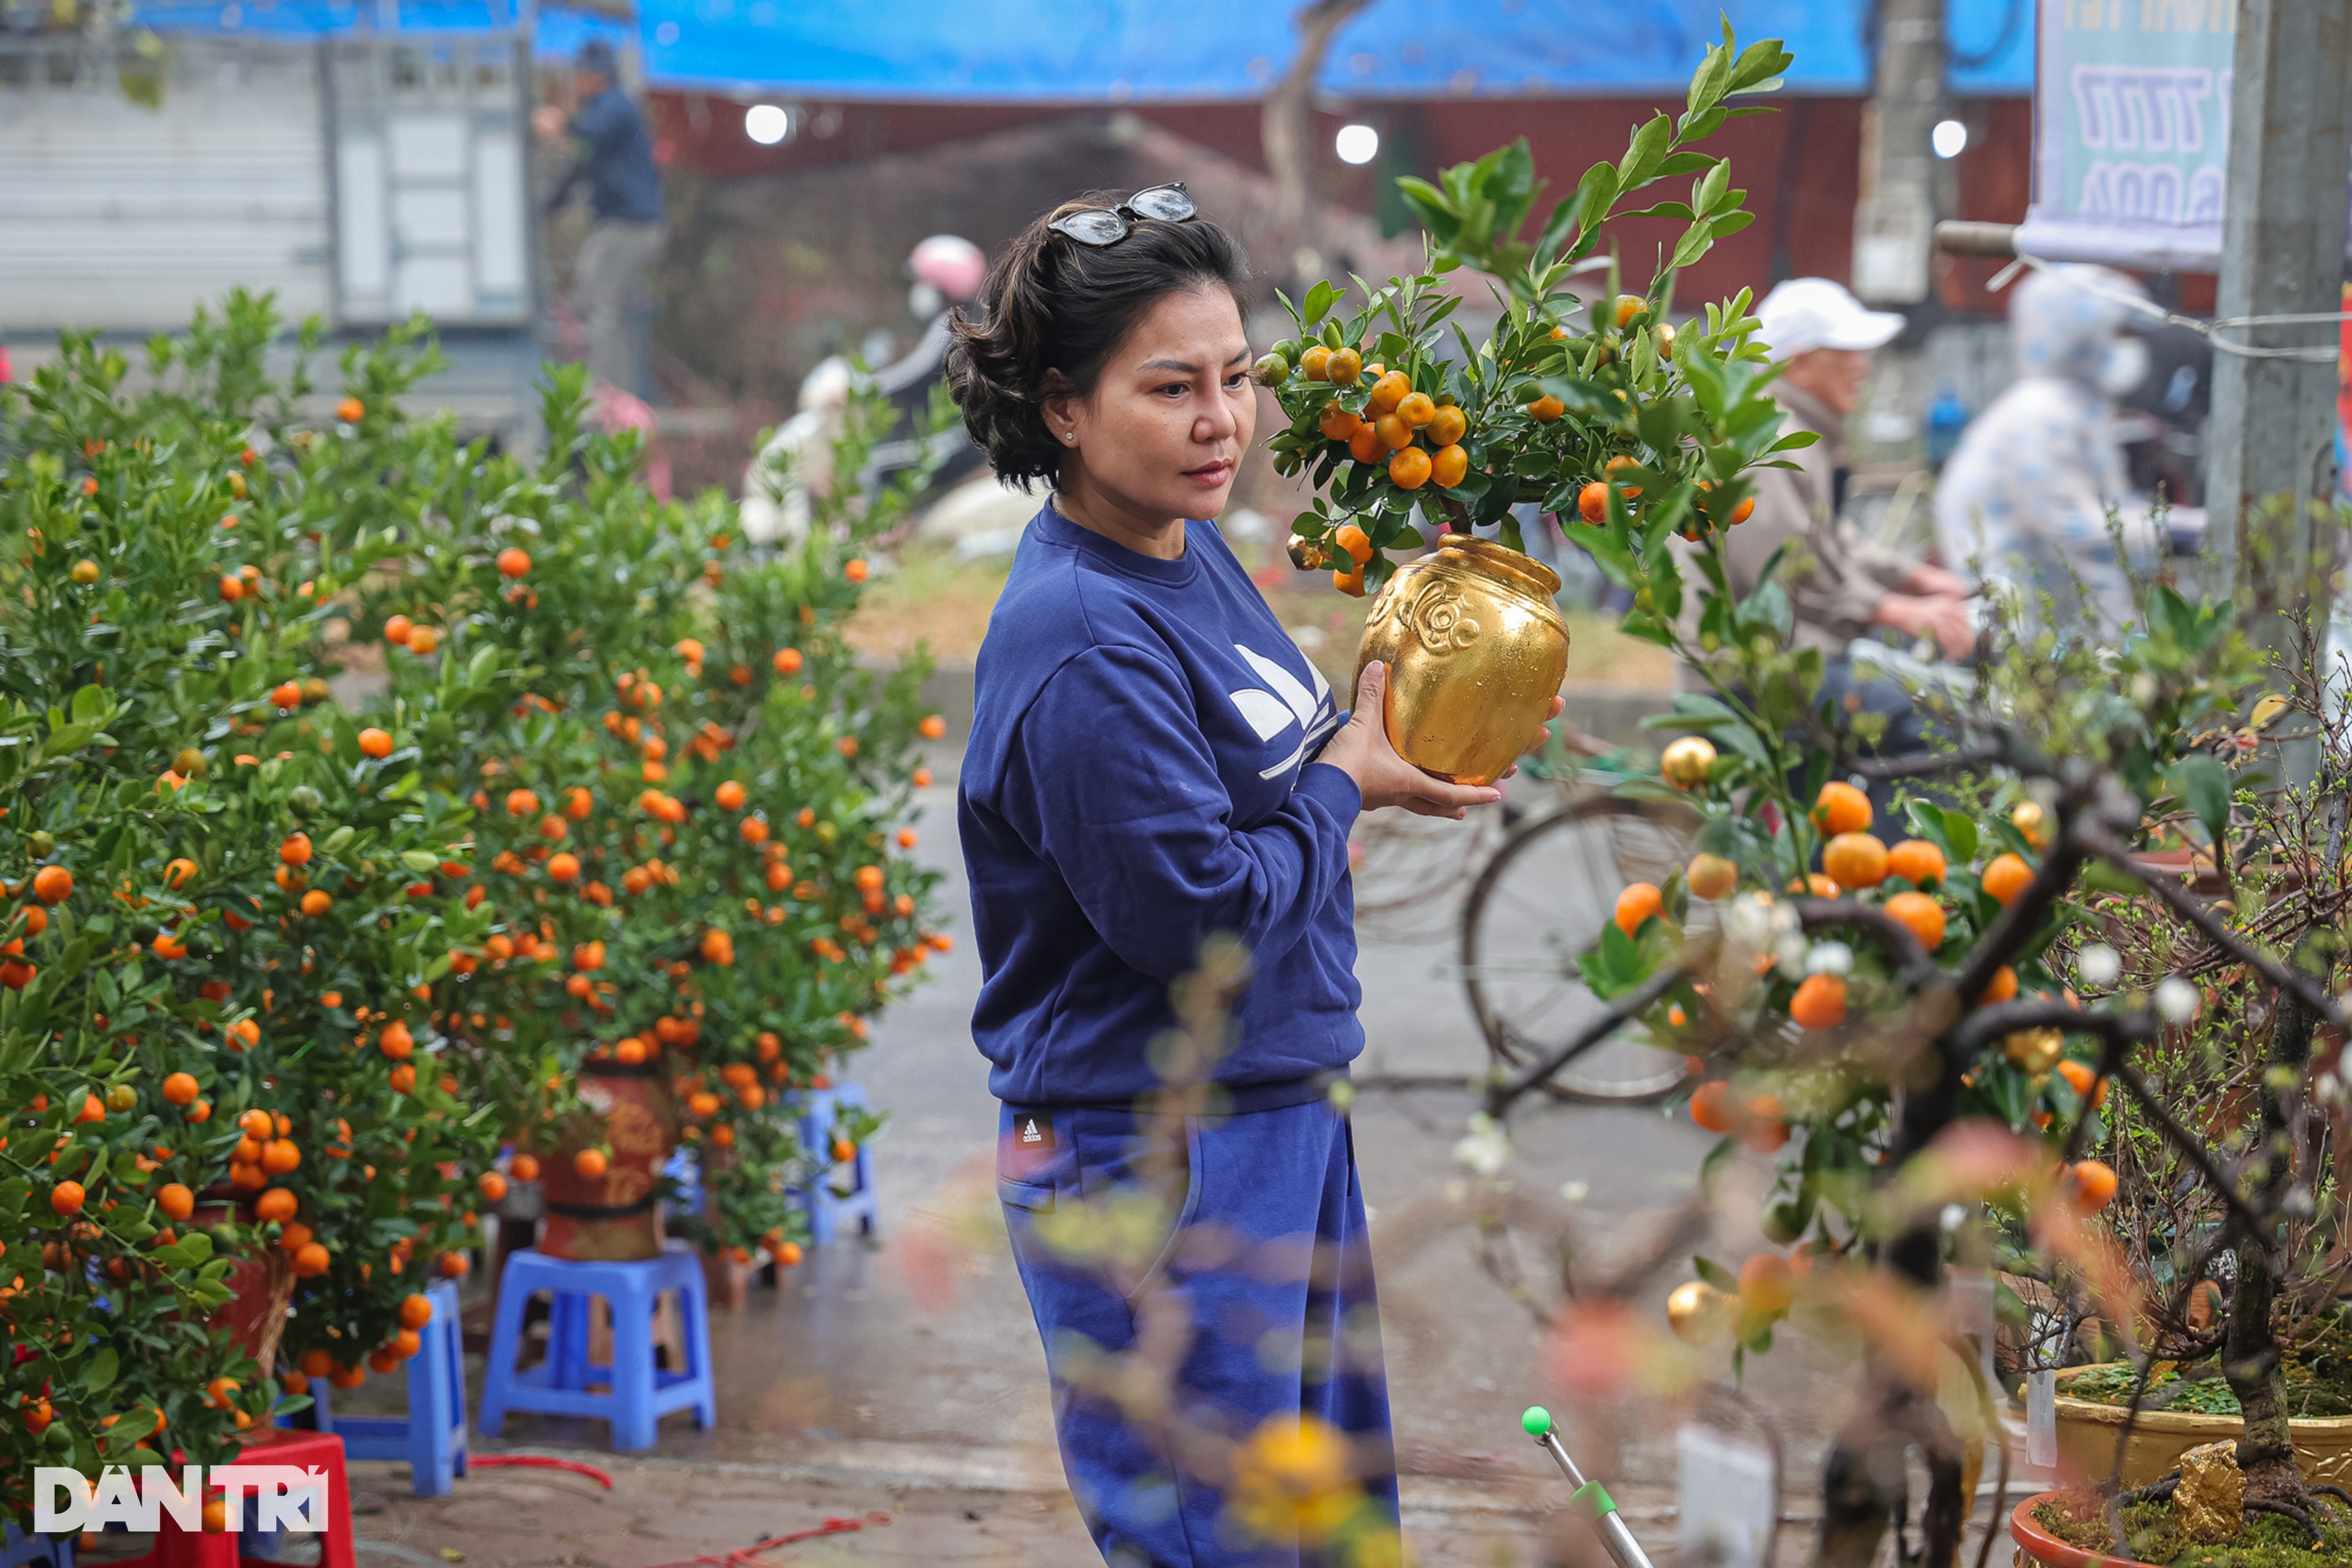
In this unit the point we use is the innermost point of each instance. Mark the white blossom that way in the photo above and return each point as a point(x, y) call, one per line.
point(2100, 965)
point(1830, 958)
point(2176, 1000)
point(1486, 1150)
point(1748, 921)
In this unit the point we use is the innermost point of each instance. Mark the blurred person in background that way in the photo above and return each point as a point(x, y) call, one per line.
point(1841, 590)
point(611, 286)
point(944, 274)
point(795, 465)
point(2026, 498)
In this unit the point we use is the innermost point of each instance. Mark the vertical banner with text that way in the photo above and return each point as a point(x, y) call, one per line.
point(2131, 134)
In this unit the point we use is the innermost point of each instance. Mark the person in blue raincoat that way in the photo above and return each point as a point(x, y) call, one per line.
point(2026, 500)
point(1154, 768)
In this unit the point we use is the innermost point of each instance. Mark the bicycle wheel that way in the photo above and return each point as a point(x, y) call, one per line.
point(1409, 870)
point(1535, 907)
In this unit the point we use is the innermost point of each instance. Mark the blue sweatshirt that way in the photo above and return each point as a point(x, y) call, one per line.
point(1137, 782)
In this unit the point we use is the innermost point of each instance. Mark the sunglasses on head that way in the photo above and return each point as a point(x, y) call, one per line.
point(1170, 203)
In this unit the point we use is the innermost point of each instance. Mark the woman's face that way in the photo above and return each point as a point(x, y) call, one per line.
point(1162, 434)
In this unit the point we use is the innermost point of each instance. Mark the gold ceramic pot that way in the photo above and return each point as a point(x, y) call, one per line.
point(1476, 651)
point(2088, 1433)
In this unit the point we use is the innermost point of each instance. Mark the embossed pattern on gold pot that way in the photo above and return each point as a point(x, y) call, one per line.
point(1476, 651)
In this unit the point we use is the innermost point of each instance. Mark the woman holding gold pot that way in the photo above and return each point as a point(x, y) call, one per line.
point(1152, 764)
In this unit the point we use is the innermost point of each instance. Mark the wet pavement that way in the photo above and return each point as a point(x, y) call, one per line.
point(907, 1377)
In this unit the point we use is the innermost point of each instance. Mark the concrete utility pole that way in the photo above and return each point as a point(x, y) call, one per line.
point(1894, 221)
point(2273, 424)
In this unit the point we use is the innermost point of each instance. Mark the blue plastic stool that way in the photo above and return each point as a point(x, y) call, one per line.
point(20, 1550)
point(638, 1393)
point(829, 1210)
point(432, 1435)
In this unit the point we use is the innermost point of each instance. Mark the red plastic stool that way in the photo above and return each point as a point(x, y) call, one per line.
point(178, 1548)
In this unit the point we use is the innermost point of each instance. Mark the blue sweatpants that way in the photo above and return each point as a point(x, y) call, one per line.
point(1185, 1353)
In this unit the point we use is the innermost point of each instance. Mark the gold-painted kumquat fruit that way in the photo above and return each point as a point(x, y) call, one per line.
point(1685, 762)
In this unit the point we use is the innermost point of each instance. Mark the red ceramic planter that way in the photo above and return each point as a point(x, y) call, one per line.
point(2036, 1544)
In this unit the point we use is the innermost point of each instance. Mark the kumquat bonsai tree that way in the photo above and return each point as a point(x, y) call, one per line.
point(691, 808)
point(214, 919)
point(1585, 408)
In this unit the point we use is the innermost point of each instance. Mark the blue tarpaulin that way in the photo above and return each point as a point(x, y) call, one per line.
point(1119, 51)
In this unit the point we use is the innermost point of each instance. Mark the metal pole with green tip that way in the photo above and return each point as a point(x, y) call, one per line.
point(1590, 1496)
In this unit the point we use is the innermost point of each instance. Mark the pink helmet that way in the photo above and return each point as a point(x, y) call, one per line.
point(951, 264)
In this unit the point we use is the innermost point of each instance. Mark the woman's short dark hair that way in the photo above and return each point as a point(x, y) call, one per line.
point(1052, 310)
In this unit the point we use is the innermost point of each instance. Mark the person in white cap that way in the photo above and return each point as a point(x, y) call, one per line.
point(1840, 588)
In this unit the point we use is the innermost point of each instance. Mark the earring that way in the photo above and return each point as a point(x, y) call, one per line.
point(1069, 435)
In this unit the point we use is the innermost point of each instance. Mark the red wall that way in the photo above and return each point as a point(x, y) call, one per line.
point(1800, 164)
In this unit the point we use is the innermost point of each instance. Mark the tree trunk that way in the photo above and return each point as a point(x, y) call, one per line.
point(1285, 130)
point(2249, 1352)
